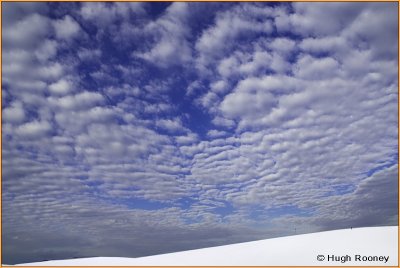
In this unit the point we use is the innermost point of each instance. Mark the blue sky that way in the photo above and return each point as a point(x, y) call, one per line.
point(132, 129)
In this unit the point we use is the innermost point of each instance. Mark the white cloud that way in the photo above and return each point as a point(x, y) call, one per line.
point(255, 97)
point(33, 85)
point(89, 54)
point(66, 28)
point(158, 108)
point(27, 32)
point(308, 67)
point(279, 64)
point(14, 113)
point(228, 66)
point(226, 29)
point(27, 50)
point(214, 133)
point(260, 61)
point(171, 125)
point(283, 45)
point(61, 87)
point(323, 45)
point(225, 122)
point(96, 11)
point(188, 139)
point(247, 104)
point(104, 14)
point(282, 21)
point(34, 130)
point(365, 200)
point(218, 39)
point(365, 30)
point(263, 56)
point(209, 100)
point(193, 88)
point(164, 53)
point(170, 32)
point(47, 50)
point(75, 122)
point(14, 12)
point(83, 100)
point(219, 87)
point(16, 56)
point(51, 71)
point(323, 18)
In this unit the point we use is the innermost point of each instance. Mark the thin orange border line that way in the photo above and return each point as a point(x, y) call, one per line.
point(1, 137)
point(398, 113)
point(398, 135)
point(199, 1)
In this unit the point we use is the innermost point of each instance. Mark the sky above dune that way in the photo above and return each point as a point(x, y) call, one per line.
point(132, 129)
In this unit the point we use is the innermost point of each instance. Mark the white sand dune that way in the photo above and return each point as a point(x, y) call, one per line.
point(375, 246)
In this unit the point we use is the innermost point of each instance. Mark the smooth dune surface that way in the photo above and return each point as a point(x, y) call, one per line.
point(371, 246)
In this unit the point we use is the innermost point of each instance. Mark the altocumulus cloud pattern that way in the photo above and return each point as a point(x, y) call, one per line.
point(131, 129)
